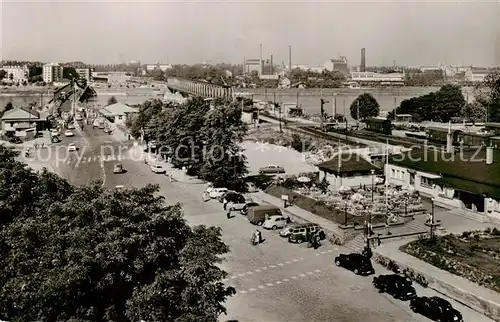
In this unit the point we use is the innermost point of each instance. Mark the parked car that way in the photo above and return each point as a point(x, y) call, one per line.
point(55, 139)
point(68, 133)
point(355, 262)
point(244, 210)
point(396, 285)
point(72, 147)
point(435, 308)
point(214, 193)
point(158, 168)
point(54, 132)
point(275, 222)
point(71, 126)
point(271, 169)
point(118, 168)
point(258, 214)
point(39, 135)
point(237, 204)
point(227, 194)
point(300, 233)
point(15, 140)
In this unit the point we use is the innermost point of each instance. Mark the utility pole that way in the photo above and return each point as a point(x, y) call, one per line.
point(279, 110)
point(323, 102)
point(357, 116)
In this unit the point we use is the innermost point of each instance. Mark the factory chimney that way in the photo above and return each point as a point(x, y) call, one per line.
point(261, 67)
point(290, 57)
point(362, 67)
point(272, 65)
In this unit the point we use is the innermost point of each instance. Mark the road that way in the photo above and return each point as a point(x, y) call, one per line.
point(275, 281)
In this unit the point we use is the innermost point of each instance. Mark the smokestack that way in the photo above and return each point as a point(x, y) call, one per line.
point(260, 60)
point(290, 57)
point(272, 65)
point(489, 155)
point(362, 67)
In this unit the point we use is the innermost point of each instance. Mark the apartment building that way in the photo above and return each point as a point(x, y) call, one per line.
point(52, 72)
point(18, 73)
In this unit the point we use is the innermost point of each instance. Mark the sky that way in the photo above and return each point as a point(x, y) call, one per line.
point(101, 32)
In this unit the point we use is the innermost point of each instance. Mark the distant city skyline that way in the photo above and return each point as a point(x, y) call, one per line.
point(409, 33)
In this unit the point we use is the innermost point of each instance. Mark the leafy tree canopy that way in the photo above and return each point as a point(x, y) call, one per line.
point(3, 73)
point(487, 95)
point(96, 254)
point(70, 73)
point(8, 106)
point(205, 140)
point(112, 100)
point(438, 106)
point(366, 105)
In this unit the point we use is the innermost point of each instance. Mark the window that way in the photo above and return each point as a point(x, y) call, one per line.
point(120, 117)
point(393, 173)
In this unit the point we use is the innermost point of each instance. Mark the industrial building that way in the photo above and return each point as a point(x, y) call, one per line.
point(118, 77)
point(372, 77)
point(339, 65)
point(252, 65)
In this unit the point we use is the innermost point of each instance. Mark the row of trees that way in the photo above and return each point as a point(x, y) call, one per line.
point(200, 135)
point(439, 106)
point(90, 253)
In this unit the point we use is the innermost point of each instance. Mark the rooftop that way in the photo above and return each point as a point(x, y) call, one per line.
point(118, 109)
point(466, 170)
point(348, 163)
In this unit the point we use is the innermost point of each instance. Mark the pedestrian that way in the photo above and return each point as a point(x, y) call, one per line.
point(43, 145)
point(228, 214)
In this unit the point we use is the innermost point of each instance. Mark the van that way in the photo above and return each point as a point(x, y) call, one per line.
point(300, 233)
point(257, 215)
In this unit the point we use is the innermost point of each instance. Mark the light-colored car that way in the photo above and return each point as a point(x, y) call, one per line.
point(118, 168)
point(238, 205)
point(78, 117)
point(214, 193)
point(158, 168)
point(54, 132)
point(68, 133)
point(271, 169)
point(71, 126)
point(72, 147)
point(274, 222)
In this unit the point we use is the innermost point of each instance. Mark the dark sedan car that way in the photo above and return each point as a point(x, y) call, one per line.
point(355, 262)
point(436, 309)
point(396, 285)
point(226, 194)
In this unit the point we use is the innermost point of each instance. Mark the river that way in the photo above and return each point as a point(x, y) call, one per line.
point(387, 98)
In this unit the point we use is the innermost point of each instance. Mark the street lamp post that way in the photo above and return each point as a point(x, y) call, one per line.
point(345, 212)
point(373, 183)
point(431, 223)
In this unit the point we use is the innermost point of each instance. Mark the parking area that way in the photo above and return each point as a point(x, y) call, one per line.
point(264, 154)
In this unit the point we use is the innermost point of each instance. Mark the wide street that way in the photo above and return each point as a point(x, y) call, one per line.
point(275, 281)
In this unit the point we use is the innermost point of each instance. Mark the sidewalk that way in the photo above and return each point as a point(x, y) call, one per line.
point(476, 297)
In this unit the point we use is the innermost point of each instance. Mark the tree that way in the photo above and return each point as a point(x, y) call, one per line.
point(96, 254)
point(70, 73)
point(225, 164)
point(8, 106)
point(11, 76)
point(3, 73)
point(112, 100)
point(138, 124)
point(365, 105)
point(439, 106)
point(474, 112)
point(487, 95)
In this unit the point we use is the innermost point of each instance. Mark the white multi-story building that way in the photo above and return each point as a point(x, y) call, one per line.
point(18, 73)
point(86, 73)
point(475, 74)
point(157, 66)
point(52, 72)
